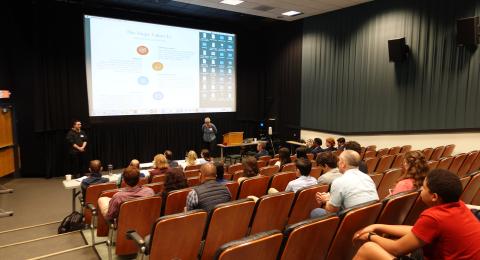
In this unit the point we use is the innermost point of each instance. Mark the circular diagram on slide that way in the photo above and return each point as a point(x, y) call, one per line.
point(142, 50)
point(142, 80)
point(158, 95)
point(157, 66)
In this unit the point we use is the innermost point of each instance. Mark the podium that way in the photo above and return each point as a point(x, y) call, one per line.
point(233, 138)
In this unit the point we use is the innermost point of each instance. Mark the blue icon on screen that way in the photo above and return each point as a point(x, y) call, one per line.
point(222, 54)
point(158, 95)
point(221, 62)
point(222, 37)
point(230, 55)
point(204, 44)
point(142, 80)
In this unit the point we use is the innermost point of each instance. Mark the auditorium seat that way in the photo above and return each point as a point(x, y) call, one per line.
point(139, 215)
point(271, 212)
point(235, 167)
point(273, 161)
point(437, 153)
point(406, 148)
point(315, 172)
point(254, 186)
point(263, 246)
point(465, 180)
point(176, 201)
point(293, 157)
point(418, 207)
point(141, 182)
point(163, 242)
point(448, 150)
point(264, 158)
point(394, 150)
point(445, 163)
point(309, 239)
point(304, 202)
point(227, 222)
point(237, 175)
point(193, 181)
point(457, 162)
point(371, 164)
point(382, 152)
point(261, 164)
point(227, 176)
point(428, 153)
point(370, 154)
point(92, 194)
point(475, 165)
point(102, 225)
point(376, 177)
point(289, 167)
point(159, 178)
point(232, 186)
point(398, 162)
point(157, 187)
point(396, 208)
point(390, 178)
point(310, 156)
point(280, 180)
point(432, 165)
point(371, 148)
point(473, 187)
point(191, 173)
point(192, 167)
point(384, 163)
point(467, 164)
point(353, 220)
point(269, 170)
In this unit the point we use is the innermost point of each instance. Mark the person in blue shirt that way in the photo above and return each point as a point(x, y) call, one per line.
point(94, 177)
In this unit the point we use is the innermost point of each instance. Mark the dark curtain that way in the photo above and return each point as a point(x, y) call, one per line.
point(349, 85)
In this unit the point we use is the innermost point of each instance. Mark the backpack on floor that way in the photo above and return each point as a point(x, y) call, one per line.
point(72, 222)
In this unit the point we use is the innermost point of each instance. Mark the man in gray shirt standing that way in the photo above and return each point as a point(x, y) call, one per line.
point(209, 131)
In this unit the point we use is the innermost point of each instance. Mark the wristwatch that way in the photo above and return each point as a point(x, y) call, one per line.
point(369, 235)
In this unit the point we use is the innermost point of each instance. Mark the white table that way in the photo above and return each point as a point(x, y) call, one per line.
point(292, 143)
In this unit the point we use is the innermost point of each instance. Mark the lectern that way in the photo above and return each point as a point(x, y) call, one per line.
point(233, 138)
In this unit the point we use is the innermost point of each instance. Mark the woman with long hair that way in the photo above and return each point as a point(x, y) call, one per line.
point(415, 168)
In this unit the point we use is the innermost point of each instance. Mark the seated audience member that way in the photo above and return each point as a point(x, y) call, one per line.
point(260, 150)
point(250, 168)
point(210, 193)
point(328, 161)
point(446, 230)
point(330, 143)
point(160, 166)
point(351, 189)
point(316, 147)
point(354, 146)
point(135, 163)
point(415, 168)
point(191, 158)
point(94, 177)
point(205, 154)
point(174, 180)
point(305, 180)
point(110, 208)
point(220, 171)
point(301, 152)
point(283, 156)
point(169, 155)
point(341, 144)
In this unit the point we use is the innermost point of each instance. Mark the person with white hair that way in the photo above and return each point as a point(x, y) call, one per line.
point(209, 131)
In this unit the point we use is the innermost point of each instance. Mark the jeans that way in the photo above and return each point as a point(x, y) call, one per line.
point(318, 212)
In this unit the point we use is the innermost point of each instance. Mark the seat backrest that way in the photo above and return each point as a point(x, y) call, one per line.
point(315, 172)
point(267, 206)
point(193, 167)
point(382, 152)
point(273, 161)
point(370, 154)
point(398, 162)
point(167, 231)
point(385, 163)
point(353, 221)
point(406, 148)
point(371, 148)
point(255, 186)
point(227, 176)
point(390, 178)
point(289, 167)
point(394, 150)
point(232, 186)
point(457, 162)
point(264, 245)
point(371, 163)
point(176, 201)
point(293, 157)
point(465, 180)
point(92, 194)
point(265, 158)
point(472, 188)
point(418, 207)
point(448, 150)
point(309, 239)
point(310, 156)
point(427, 152)
point(237, 175)
point(228, 221)
point(437, 153)
point(193, 181)
point(304, 202)
point(475, 165)
point(467, 164)
point(235, 167)
point(377, 178)
point(159, 178)
point(269, 170)
point(191, 173)
point(445, 163)
point(102, 226)
point(261, 164)
point(138, 215)
point(141, 182)
point(432, 165)
point(280, 180)
point(396, 208)
point(157, 187)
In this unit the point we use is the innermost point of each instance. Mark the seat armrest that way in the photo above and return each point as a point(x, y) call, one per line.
point(133, 235)
point(92, 208)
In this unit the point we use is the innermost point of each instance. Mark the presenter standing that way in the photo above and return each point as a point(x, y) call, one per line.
point(77, 143)
point(209, 139)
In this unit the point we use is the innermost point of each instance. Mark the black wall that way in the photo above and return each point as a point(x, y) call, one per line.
point(349, 85)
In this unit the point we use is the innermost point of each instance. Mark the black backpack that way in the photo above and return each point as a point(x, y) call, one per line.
point(72, 222)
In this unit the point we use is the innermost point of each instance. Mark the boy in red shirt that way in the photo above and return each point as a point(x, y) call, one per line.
point(446, 230)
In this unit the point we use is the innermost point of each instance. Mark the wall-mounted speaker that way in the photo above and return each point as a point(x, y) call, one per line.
point(397, 50)
point(468, 31)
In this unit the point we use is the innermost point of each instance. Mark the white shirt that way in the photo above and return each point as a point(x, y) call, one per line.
point(351, 189)
point(300, 182)
point(328, 177)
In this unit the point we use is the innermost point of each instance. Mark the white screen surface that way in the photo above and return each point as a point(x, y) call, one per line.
point(136, 68)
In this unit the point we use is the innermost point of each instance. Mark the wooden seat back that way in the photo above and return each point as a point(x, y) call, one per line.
point(141, 182)
point(280, 180)
point(457, 162)
point(159, 178)
point(191, 173)
point(377, 178)
point(385, 163)
point(273, 161)
point(406, 148)
point(92, 194)
point(448, 150)
point(261, 164)
point(267, 206)
point(428, 153)
point(289, 167)
point(264, 245)
point(390, 178)
point(432, 165)
point(398, 162)
point(237, 175)
point(445, 163)
point(371, 164)
point(232, 186)
point(394, 150)
point(265, 158)
point(382, 152)
point(316, 172)
point(304, 202)
point(176, 201)
point(235, 167)
point(437, 153)
point(269, 170)
point(193, 167)
point(418, 207)
point(255, 186)
point(193, 181)
point(473, 187)
point(396, 208)
point(157, 187)
point(370, 154)
point(467, 164)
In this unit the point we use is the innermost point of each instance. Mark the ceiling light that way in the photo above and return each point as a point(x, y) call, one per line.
point(292, 13)
point(231, 2)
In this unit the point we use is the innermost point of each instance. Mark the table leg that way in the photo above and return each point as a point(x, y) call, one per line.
point(74, 192)
point(221, 153)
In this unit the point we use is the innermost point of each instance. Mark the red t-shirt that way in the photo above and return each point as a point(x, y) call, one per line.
point(450, 231)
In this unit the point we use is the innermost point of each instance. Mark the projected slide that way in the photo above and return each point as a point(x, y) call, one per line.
point(136, 68)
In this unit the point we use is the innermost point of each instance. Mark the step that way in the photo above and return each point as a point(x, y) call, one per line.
point(28, 233)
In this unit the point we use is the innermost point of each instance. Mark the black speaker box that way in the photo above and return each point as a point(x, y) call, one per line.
point(397, 50)
point(468, 31)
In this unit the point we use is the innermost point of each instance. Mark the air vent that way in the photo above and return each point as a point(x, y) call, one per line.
point(263, 8)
